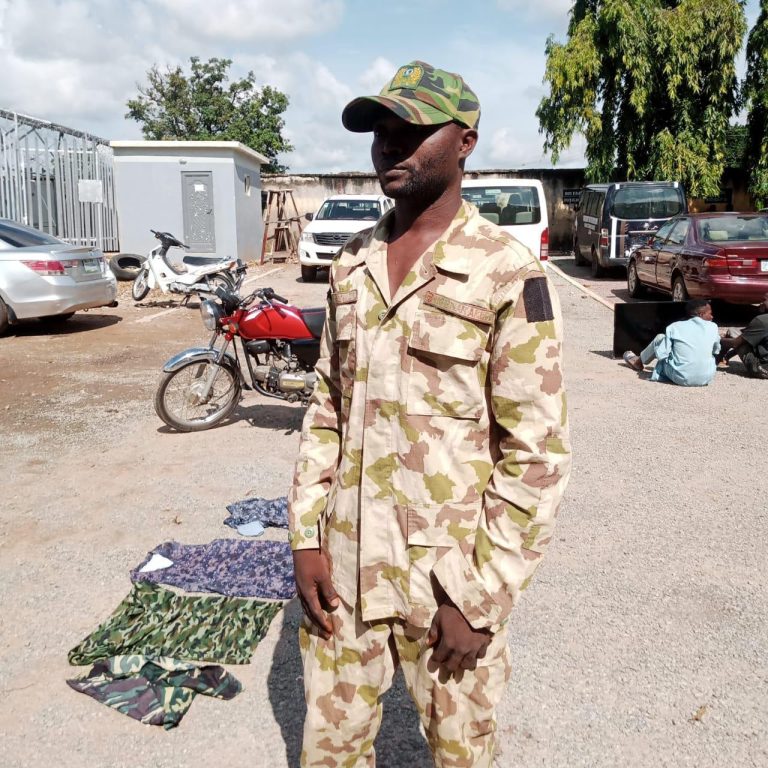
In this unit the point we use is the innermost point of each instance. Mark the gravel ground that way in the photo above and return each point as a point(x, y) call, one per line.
point(640, 643)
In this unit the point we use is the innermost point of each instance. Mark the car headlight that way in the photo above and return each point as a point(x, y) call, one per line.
point(211, 313)
point(307, 237)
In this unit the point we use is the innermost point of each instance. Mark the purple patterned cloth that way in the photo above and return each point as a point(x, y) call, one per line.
point(233, 567)
point(269, 512)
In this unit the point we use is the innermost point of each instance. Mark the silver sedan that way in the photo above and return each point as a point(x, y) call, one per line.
point(44, 277)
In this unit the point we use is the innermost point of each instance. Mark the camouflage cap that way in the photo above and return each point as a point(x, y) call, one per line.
point(420, 94)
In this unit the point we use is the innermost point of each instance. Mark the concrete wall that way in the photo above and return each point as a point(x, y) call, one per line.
point(148, 186)
point(309, 191)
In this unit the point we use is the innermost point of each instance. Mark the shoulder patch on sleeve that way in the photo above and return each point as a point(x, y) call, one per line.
point(538, 305)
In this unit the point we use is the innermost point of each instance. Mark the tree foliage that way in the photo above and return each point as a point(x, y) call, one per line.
point(206, 106)
point(755, 92)
point(650, 83)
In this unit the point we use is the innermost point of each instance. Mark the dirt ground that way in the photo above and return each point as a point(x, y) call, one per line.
point(642, 641)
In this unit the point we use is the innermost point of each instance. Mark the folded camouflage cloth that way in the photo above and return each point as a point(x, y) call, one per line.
point(152, 621)
point(234, 567)
point(154, 690)
point(271, 513)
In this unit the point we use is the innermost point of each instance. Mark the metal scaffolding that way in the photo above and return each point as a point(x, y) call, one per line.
point(42, 166)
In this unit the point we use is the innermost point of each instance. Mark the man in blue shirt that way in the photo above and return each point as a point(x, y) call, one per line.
point(685, 352)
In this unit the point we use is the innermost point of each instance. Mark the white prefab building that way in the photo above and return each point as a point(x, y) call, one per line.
point(206, 193)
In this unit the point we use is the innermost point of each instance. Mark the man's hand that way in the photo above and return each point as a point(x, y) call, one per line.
point(455, 642)
point(313, 583)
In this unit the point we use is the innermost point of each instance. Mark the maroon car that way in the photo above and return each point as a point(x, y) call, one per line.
point(705, 255)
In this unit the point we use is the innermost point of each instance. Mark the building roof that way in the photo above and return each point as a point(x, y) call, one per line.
point(201, 146)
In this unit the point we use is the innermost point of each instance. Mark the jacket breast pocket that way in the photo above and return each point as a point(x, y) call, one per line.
point(447, 366)
point(345, 327)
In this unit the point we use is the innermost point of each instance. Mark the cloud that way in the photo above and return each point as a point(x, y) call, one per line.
point(377, 75)
point(254, 20)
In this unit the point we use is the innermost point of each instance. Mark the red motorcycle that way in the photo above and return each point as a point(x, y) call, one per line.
point(279, 344)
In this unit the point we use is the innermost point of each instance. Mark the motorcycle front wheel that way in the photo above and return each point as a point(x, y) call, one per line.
point(197, 396)
point(140, 287)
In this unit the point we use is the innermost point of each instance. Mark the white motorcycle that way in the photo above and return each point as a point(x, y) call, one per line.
point(192, 276)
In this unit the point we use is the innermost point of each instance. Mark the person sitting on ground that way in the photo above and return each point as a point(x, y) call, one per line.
point(685, 351)
point(751, 345)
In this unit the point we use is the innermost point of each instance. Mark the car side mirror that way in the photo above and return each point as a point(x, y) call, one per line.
point(309, 216)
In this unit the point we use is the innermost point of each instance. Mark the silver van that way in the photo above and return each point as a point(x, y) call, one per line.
point(613, 219)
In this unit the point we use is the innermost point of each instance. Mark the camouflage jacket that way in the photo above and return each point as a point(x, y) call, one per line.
point(436, 442)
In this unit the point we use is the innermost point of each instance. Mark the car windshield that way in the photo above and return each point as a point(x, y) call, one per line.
point(13, 235)
point(716, 229)
point(647, 202)
point(363, 210)
point(505, 205)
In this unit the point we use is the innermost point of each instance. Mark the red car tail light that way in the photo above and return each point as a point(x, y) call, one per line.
point(46, 267)
point(603, 238)
point(544, 245)
point(716, 263)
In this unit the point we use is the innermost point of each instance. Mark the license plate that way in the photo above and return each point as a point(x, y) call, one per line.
point(764, 265)
point(91, 265)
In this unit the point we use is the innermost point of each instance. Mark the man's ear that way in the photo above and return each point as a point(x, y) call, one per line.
point(468, 142)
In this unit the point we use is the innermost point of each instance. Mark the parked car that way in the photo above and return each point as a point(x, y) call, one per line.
point(44, 277)
point(705, 255)
point(612, 219)
point(516, 205)
point(338, 218)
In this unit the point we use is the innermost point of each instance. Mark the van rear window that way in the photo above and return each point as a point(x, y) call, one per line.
point(507, 206)
point(647, 202)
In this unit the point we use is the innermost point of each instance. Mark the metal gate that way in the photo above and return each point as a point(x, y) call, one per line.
point(41, 167)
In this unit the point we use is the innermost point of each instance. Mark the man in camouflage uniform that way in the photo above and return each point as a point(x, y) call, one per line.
point(434, 453)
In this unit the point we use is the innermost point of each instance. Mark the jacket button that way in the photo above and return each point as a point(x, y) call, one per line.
point(382, 314)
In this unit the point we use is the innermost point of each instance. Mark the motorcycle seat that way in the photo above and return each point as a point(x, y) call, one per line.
point(315, 319)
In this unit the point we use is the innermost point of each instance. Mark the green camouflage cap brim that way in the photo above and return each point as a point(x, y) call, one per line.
point(419, 94)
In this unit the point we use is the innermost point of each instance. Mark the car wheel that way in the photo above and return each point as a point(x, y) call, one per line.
point(3, 317)
point(125, 266)
point(308, 274)
point(679, 291)
point(597, 269)
point(578, 258)
point(634, 286)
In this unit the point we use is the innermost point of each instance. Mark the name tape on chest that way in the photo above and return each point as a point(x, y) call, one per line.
point(453, 307)
point(343, 297)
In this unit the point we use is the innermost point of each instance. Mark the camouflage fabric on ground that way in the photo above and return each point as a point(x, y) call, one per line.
point(231, 567)
point(155, 691)
point(269, 512)
point(153, 621)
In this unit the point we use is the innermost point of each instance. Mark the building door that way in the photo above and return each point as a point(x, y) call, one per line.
point(199, 218)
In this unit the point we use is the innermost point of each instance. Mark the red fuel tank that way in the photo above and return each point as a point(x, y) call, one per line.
point(279, 322)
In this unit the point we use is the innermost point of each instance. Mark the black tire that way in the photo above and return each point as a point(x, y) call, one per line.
point(125, 266)
point(182, 382)
point(634, 287)
point(308, 274)
point(219, 280)
point(596, 268)
point(578, 258)
point(4, 322)
point(140, 287)
point(679, 291)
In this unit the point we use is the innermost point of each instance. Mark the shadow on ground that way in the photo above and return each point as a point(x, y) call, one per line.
point(399, 742)
point(80, 323)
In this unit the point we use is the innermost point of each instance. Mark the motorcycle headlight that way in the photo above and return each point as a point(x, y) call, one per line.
point(211, 313)
point(307, 237)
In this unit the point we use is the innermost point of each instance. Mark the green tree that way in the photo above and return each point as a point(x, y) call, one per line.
point(755, 92)
point(650, 83)
point(206, 106)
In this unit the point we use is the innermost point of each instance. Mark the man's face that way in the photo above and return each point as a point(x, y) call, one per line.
point(418, 161)
point(706, 313)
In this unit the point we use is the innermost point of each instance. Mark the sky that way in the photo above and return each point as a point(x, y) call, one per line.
point(77, 62)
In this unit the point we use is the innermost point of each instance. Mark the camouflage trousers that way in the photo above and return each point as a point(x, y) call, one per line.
point(345, 676)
